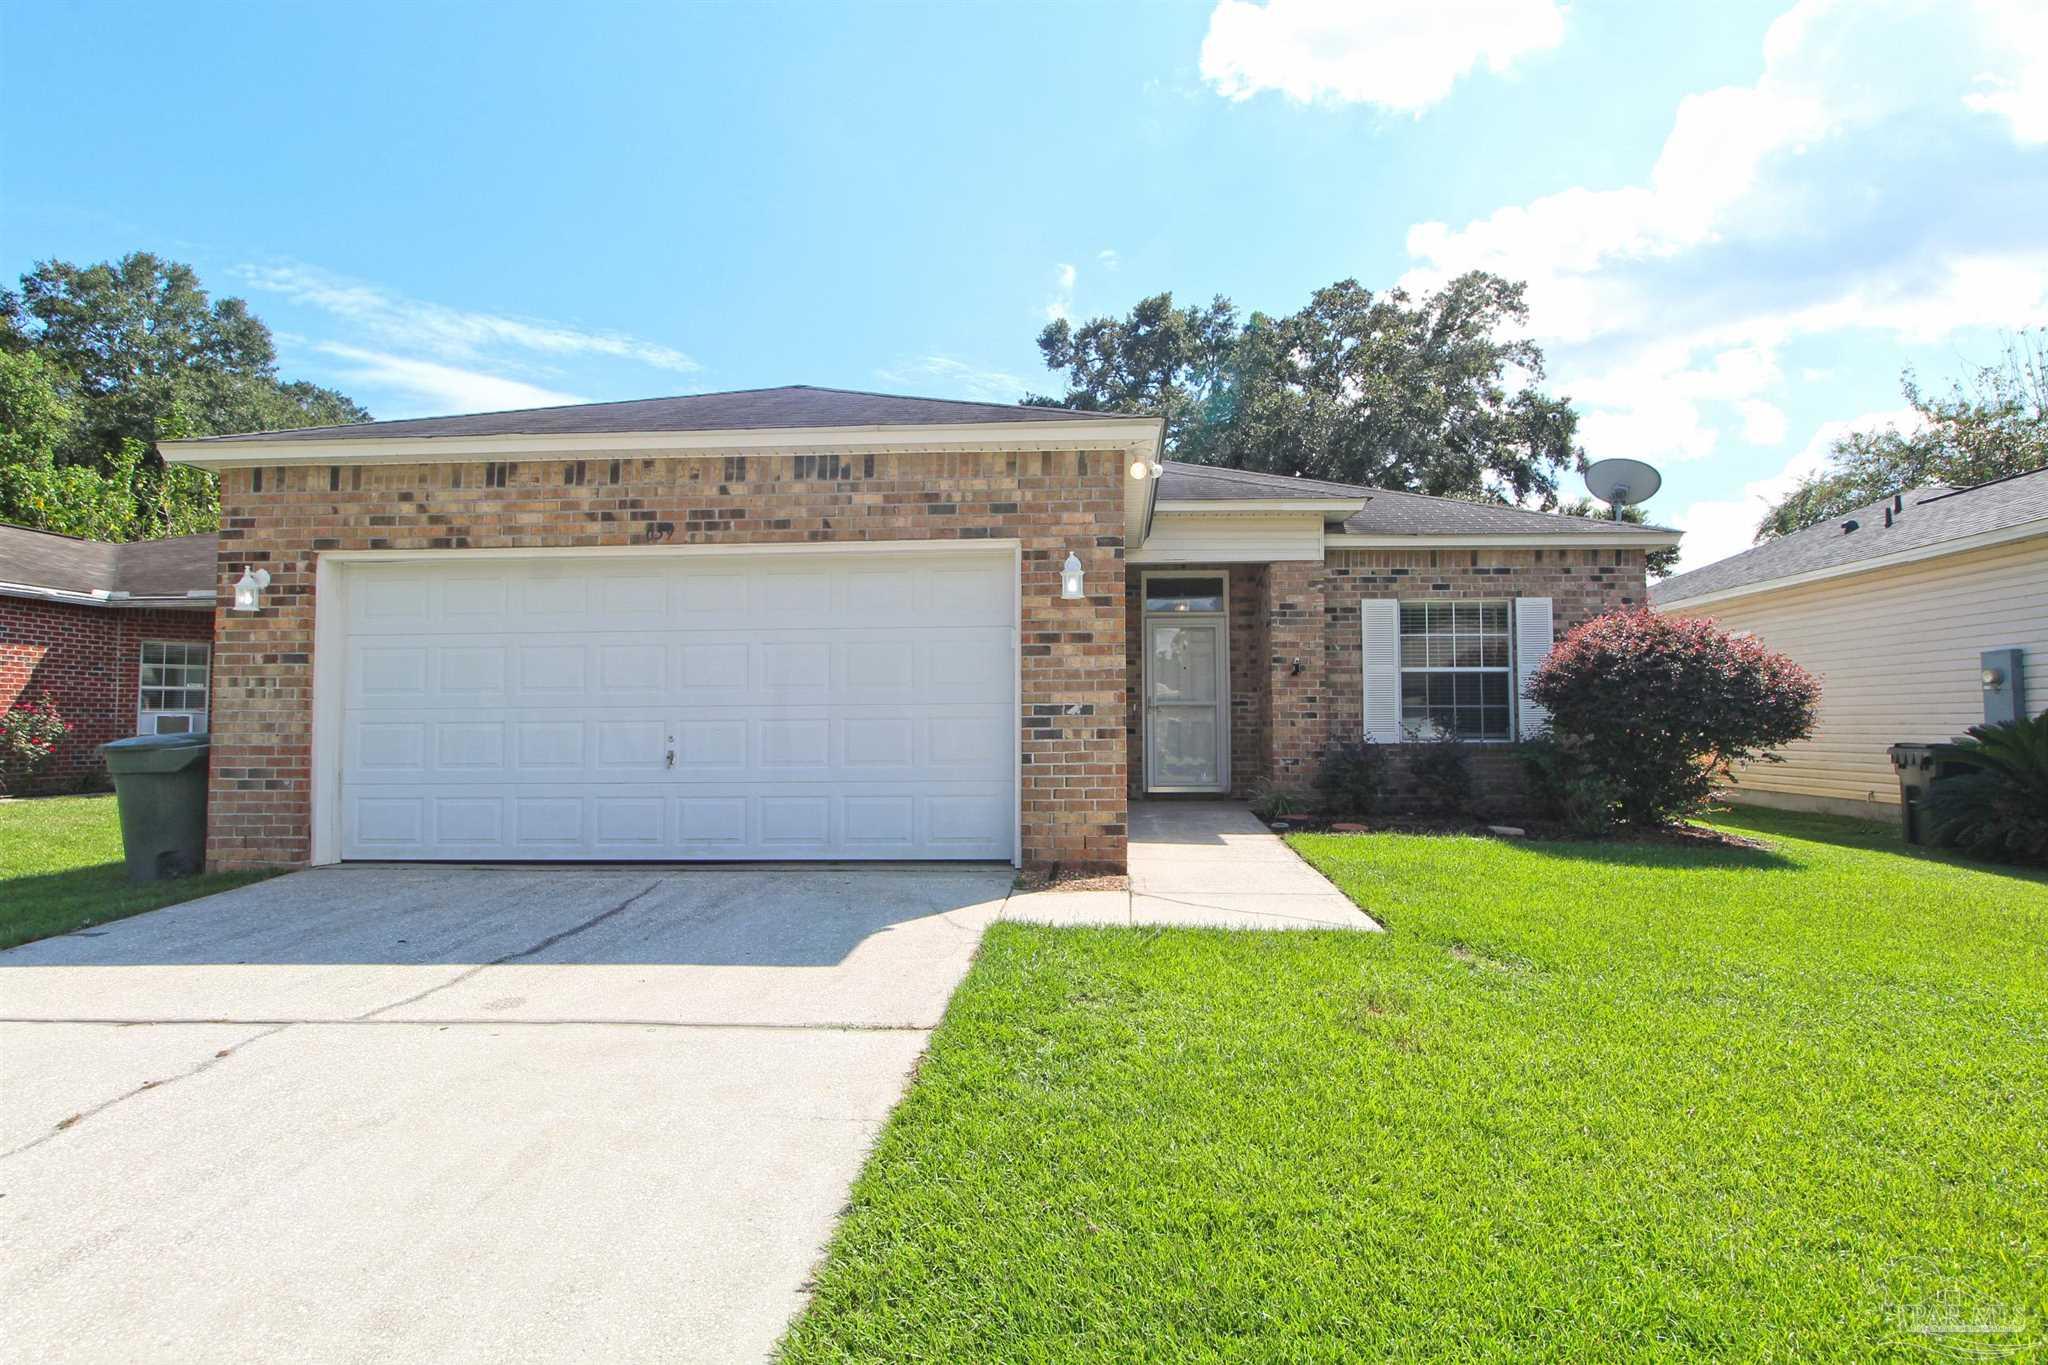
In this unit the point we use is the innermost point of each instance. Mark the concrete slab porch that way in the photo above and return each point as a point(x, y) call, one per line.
point(1203, 864)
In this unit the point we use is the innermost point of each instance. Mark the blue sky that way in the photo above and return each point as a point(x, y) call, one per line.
point(1739, 220)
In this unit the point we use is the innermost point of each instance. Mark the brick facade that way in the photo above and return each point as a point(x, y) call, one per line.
point(1282, 720)
point(89, 658)
point(1071, 729)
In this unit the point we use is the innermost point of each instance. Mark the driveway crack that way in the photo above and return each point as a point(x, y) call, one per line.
point(550, 941)
point(68, 1124)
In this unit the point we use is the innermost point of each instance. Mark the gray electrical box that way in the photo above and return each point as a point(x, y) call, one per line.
point(2005, 685)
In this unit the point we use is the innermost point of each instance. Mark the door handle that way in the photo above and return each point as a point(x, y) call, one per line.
point(671, 751)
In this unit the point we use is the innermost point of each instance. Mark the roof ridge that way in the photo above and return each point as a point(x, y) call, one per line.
point(1949, 491)
point(684, 398)
point(58, 535)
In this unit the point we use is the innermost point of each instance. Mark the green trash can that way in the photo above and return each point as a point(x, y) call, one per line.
point(160, 783)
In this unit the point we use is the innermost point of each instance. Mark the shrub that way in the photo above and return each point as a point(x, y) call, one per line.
point(1564, 787)
point(1997, 807)
point(1277, 803)
point(1442, 770)
point(29, 734)
point(1352, 777)
point(1657, 709)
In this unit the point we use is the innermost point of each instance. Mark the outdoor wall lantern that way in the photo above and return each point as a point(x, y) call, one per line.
point(249, 589)
point(1070, 577)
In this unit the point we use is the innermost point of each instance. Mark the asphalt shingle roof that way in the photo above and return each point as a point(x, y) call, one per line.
point(1921, 518)
point(149, 568)
point(1388, 513)
point(797, 405)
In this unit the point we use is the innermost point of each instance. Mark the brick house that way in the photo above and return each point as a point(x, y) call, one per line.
point(120, 635)
point(808, 623)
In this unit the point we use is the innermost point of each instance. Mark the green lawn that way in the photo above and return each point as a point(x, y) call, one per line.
point(60, 869)
point(1581, 1101)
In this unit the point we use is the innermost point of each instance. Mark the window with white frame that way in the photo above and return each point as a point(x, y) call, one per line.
point(1456, 670)
point(173, 688)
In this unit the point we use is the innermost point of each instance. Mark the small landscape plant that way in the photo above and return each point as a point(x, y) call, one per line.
point(1650, 712)
point(1997, 806)
point(1442, 770)
point(29, 733)
point(1277, 803)
point(1351, 779)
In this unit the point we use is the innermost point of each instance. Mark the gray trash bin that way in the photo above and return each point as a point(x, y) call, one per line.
point(160, 783)
point(1917, 768)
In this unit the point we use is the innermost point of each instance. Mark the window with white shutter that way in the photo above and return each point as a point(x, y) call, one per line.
point(1532, 646)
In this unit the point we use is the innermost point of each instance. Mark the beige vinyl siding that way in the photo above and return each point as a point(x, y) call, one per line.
point(1192, 538)
point(1897, 654)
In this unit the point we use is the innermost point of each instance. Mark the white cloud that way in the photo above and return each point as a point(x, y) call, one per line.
point(1402, 55)
point(1850, 190)
point(449, 333)
point(954, 378)
point(1108, 259)
point(1717, 528)
point(1060, 308)
point(2018, 94)
point(428, 387)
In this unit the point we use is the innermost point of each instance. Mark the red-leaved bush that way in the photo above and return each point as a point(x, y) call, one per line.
point(1648, 711)
point(30, 732)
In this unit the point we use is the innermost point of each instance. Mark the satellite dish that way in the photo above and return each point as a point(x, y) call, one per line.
point(1622, 483)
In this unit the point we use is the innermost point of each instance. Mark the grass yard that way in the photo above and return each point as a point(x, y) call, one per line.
point(60, 870)
point(1581, 1101)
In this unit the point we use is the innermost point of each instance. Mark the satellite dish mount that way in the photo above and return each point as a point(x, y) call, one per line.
point(1622, 483)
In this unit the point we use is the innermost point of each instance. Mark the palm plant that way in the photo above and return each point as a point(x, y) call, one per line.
point(1996, 806)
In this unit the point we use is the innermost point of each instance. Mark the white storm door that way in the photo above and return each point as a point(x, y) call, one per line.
point(1186, 728)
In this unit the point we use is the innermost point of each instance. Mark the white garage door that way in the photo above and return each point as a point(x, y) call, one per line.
point(687, 707)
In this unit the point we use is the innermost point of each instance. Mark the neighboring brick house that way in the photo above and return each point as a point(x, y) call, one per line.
point(813, 624)
point(119, 634)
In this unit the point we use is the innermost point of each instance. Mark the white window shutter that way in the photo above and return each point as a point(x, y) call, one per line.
point(1532, 646)
point(1380, 631)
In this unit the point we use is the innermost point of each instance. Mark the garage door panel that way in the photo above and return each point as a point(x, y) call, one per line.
point(722, 708)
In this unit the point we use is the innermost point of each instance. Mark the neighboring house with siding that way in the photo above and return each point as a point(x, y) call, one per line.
point(806, 623)
point(120, 635)
point(1894, 606)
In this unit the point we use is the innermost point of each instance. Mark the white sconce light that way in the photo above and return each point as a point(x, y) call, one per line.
point(1141, 470)
point(249, 589)
point(1070, 578)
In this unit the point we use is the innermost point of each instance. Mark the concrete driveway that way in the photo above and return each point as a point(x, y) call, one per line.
point(458, 1114)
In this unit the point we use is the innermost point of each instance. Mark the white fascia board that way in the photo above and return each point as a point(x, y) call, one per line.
point(1138, 435)
point(100, 597)
point(1619, 540)
point(97, 597)
point(1264, 507)
point(2026, 530)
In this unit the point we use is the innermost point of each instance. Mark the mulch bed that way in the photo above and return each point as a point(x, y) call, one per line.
point(1683, 836)
point(1056, 878)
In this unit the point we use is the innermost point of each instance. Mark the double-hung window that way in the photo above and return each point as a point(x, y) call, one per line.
point(173, 688)
point(1456, 671)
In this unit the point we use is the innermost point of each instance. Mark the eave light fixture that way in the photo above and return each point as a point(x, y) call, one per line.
point(249, 589)
point(1141, 469)
point(1070, 578)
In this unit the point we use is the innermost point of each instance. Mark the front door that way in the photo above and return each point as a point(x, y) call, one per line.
point(1186, 727)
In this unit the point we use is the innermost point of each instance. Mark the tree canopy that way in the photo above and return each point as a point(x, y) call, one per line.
point(1989, 425)
point(1431, 394)
point(98, 363)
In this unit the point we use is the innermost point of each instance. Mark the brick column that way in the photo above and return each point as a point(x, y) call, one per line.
point(1298, 722)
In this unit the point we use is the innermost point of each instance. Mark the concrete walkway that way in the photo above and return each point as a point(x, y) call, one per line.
point(1204, 864)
